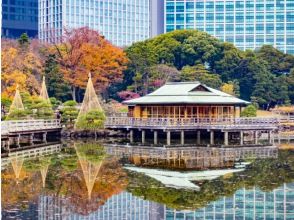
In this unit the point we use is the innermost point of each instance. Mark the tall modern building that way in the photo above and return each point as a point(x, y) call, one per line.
point(248, 24)
point(19, 16)
point(120, 21)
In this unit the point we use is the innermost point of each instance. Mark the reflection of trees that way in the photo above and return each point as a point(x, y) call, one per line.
point(265, 174)
point(39, 164)
point(17, 163)
point(91, 157)
point(13, 194)
point(94, 178)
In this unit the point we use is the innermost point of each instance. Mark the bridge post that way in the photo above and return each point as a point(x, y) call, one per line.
point(168, 138)
point(270, 136)
point(132, 136)
point(255, 137)
point(211, 137)
point(143, 136)
point(182, 137)
point(44, 137)
point(198, 137)
point(31, 139)
point(155, 134)
point(241, 138)
point(18, 140)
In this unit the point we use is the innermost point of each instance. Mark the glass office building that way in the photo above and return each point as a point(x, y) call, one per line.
point(120, 21)
point(248, 24)
point(18, 17)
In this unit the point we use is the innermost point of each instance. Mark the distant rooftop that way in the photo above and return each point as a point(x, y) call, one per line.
point(186, 93)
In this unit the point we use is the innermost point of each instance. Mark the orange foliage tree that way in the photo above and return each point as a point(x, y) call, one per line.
point(82, 51)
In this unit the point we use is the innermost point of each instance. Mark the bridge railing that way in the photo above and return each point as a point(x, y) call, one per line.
point(186, 122)
point(29, 125)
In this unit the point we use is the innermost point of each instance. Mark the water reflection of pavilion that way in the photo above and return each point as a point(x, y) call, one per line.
point(190, 157)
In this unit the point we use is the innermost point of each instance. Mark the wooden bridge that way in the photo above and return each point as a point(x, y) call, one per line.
point(13, 132)
point(193, 123)
point(28, 126)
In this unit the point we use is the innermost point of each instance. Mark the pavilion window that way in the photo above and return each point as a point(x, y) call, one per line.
point(182, 112)
point(171, 112)
point(195, 112)
point(189, 112)
point(131, 111)
point(176, 114)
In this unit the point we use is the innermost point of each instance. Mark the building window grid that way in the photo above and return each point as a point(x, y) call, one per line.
point(262, 36)
point(135, 28)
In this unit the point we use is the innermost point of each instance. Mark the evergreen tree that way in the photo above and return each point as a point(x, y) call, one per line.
point(57, 87)
point(23, 40)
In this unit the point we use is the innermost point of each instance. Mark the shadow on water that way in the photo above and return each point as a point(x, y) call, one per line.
point(87, 179)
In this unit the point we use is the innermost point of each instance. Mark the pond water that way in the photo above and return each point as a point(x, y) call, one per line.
point(90, 180)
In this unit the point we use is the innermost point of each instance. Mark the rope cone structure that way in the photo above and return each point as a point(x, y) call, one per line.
point(90, 171)
point(90, 101)
point(17, 102)
point(17, 166)
point(43, 93)
point(44, 171)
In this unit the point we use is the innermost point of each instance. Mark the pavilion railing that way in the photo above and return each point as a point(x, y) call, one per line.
point(29, 125)
point(186, 122)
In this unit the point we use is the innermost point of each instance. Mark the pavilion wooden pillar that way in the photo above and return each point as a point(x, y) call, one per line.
point(211, 137)
point(143, 136)
point(198, 137)
point(155, 134)
point(182, 137)
point(226, 138)
point(168, 141)
point(132, 136)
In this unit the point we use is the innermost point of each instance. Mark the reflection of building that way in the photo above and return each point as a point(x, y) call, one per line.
point(248, 24)
point(245, 204)
point(19, 17)
point(123, 206)
point(121, 22)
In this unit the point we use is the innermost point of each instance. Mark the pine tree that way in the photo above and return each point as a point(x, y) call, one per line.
point(57, 87)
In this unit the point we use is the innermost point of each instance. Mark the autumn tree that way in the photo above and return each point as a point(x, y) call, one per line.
point(21, 65)
point(82, 51)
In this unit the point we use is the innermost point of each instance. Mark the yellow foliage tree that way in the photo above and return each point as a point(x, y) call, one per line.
point(20, 66)
point(228, 88)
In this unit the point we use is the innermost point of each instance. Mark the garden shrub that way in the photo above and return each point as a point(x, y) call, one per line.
point(92, 120)
point(249, 111)
point(69, 113)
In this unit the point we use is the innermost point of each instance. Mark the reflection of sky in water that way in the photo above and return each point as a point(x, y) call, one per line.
point(250, 203)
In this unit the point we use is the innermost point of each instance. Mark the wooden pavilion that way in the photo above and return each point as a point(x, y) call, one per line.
point(185, 100)
point(191, 108)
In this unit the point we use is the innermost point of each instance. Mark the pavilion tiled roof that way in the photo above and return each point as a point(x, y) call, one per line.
point(187, 93)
